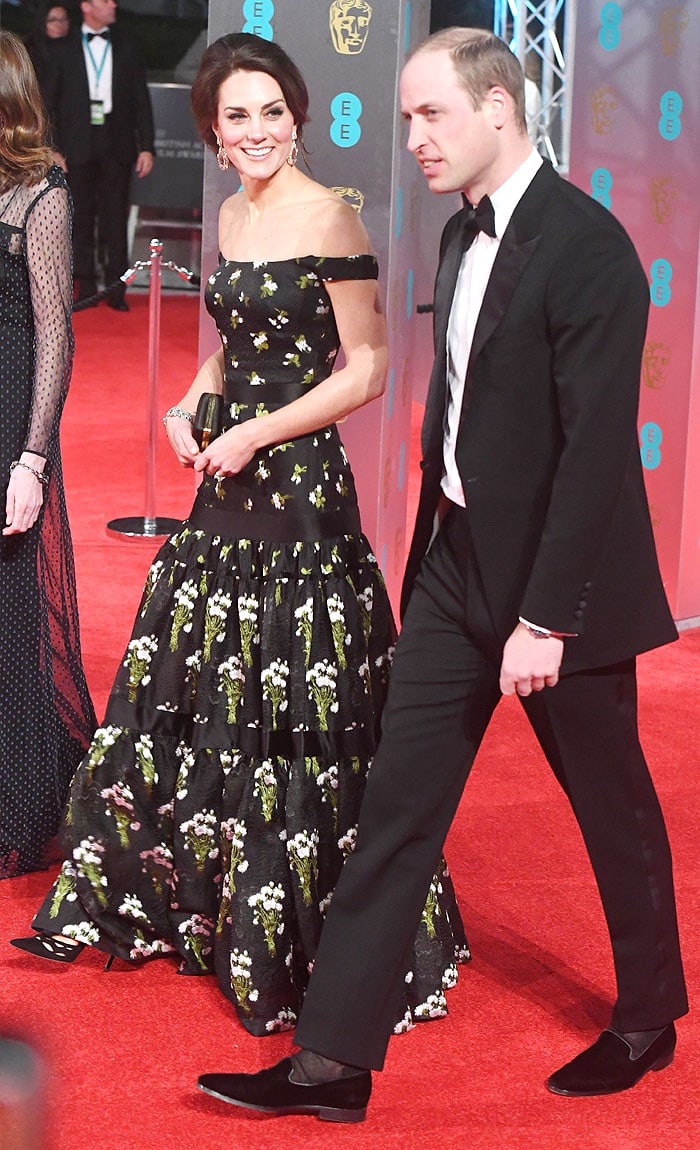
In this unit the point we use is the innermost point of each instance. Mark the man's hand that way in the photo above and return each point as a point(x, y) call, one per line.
point(529, 664)
point(144, 163)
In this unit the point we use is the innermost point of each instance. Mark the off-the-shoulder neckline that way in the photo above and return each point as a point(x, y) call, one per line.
point(295, 259)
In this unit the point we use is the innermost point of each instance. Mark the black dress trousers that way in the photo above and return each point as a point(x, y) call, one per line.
point(443, 691)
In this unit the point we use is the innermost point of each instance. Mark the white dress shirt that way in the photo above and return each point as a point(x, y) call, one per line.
point(472, 280)
point(98, 62)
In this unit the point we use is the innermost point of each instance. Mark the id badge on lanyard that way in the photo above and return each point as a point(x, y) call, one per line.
point(97, 107)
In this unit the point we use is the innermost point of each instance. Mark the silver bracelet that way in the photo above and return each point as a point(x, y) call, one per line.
point(177, 413)
point(40, 475)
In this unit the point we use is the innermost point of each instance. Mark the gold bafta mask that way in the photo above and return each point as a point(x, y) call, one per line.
point(672, 24)
point(664, 193)
point(349, 20)
point(604, 101)
point(352, 196)
point(655, 361)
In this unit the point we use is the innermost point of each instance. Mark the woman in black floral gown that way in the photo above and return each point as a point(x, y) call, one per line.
point(215, 808)
point(46, 718)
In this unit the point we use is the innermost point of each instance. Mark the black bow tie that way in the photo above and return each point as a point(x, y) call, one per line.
point(480, 219)
point(98, 35)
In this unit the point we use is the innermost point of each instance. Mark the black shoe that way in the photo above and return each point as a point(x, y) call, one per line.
point(271, 1091)
point(609, 1065)
point(47, 946)
point(118, 305)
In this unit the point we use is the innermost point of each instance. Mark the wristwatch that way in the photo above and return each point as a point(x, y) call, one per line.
point(544, 632)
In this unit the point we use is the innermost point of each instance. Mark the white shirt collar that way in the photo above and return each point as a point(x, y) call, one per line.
point(506, 198)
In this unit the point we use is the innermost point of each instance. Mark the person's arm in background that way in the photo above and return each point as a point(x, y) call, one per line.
point(49, 263)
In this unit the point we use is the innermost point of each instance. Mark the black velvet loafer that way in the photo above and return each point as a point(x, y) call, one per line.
point(272, 1092)
point(609, 1066)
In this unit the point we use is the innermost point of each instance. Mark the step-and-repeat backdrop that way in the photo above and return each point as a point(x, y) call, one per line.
point(635, 143)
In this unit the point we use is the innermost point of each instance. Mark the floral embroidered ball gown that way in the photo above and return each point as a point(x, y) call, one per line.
point(214, 810)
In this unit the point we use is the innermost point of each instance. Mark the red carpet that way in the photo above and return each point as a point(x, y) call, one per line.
point(122, 1049)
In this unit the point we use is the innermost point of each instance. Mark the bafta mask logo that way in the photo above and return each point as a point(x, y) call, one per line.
point(655, 361)
point(664, 193)
point(604, 101)
point(349, 20)
point(352, 196)
point(672, 24)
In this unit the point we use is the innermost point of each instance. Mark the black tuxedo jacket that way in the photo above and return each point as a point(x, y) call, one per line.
point(66, 92)
point(547, 448)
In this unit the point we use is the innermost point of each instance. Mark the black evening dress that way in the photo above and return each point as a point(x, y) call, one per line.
point(218, 801)
point(46, 718)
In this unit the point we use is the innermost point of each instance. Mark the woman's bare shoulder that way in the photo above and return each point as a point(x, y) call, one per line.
point(338, 229)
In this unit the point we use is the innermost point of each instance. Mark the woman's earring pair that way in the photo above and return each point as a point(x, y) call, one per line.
point(221, 155)
point(294, 150)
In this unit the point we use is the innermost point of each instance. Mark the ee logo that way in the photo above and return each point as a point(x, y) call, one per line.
point(671, 106)
point(346, 109)
point(660, 289)
point(601, 183)
point(650, 445)
point(258, 16)
point(610, 20)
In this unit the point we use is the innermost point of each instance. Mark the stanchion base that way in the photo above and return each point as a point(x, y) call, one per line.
point(143, 526)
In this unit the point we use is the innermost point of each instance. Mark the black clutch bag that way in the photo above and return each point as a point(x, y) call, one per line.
point(208, 419)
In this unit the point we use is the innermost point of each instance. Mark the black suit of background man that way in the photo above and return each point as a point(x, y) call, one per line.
point(100, 159)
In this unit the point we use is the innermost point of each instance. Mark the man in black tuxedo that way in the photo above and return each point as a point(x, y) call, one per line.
point(97, 97)
point(532, 571)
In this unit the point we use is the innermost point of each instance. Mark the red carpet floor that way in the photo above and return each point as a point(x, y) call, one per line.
point(122, 1049)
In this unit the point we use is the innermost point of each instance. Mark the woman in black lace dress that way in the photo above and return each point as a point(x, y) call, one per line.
point(46, 719)
point(214, 811)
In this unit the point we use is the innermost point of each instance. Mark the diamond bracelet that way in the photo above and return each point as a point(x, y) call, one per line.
point(177, 413)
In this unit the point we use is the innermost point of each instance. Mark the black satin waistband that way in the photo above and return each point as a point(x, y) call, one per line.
point(237, 390)
point(286, 526)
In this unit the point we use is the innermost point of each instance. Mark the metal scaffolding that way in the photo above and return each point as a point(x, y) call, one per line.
point(541, 34)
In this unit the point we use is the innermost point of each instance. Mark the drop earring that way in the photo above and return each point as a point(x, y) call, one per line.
point(294, 150)
point(221, 155)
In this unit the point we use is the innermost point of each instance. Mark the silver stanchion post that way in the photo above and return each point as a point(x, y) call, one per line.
point(149, 526)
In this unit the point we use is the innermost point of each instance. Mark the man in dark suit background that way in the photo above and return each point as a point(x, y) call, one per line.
point(532, 571)
point(97, 97)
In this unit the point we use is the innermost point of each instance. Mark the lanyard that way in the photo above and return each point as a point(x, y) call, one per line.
point(96, 70)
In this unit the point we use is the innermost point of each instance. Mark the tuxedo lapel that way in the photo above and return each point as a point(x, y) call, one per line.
point(519, 242)
point(509, 265)
point(432, 431)
point(446, 281)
